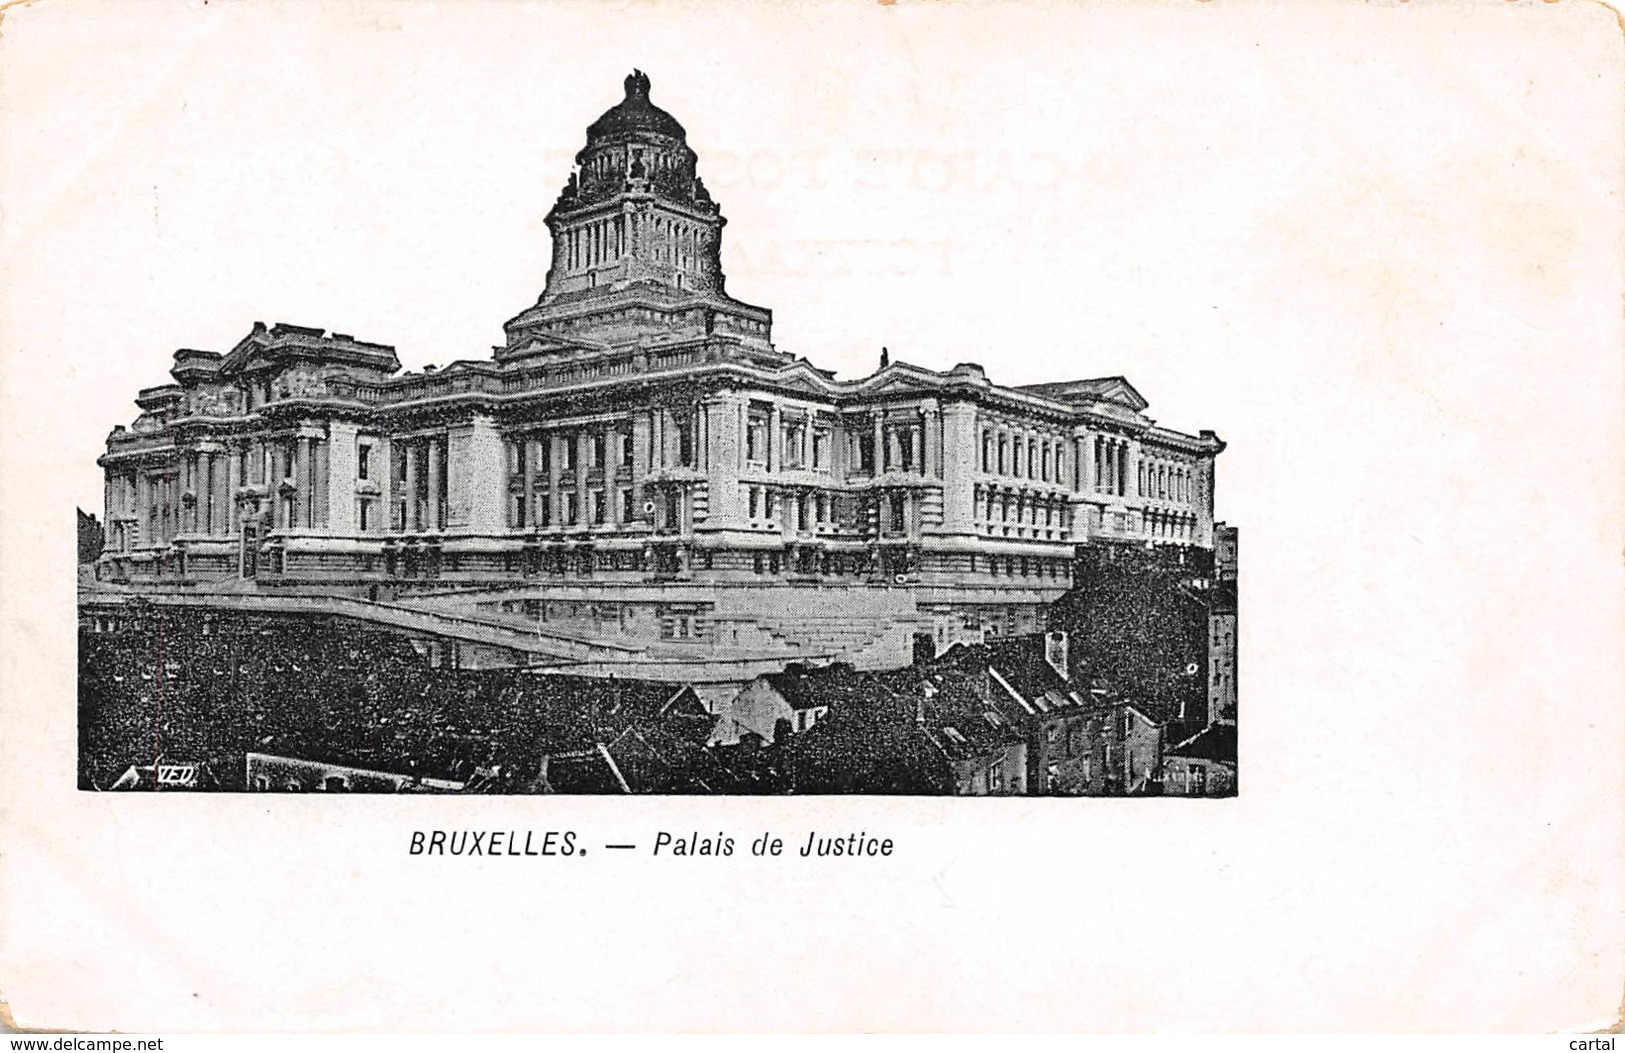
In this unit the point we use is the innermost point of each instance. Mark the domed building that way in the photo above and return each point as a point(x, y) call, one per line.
point(637, 480)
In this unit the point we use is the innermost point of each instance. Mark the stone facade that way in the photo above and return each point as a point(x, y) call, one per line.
point(640, 452)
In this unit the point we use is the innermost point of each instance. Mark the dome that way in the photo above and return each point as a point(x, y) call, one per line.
point(635, 114)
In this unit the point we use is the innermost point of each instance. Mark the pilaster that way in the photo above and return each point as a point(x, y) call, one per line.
point(723, 412)
point(341, 477)
point(959, 450)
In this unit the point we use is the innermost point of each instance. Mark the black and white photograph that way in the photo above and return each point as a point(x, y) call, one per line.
point(532, 516)
point(640, 548)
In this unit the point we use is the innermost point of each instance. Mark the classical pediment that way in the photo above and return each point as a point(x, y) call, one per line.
point(898, 380)
point(1115, 390)
point(804, 378)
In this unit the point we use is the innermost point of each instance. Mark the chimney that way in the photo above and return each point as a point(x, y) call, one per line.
point(1056, 653)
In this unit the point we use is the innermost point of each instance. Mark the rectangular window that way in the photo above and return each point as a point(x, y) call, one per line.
point(600, 508)
point(625, 443)
point(820, 448)
point(795, 438)
point(595, 449)
point(571, 453)
point(364, 515)
point(570, 517)
point(519, 510)
point(628, 513)
point(756, 441)
point(866, 452)
point(363, 461)
point(754, 501)
point(1004, 448)
point(685, 444)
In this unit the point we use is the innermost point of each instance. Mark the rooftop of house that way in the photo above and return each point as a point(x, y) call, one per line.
point(1216, 742)
point(804, 687)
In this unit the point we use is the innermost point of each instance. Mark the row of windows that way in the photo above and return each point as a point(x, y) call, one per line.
point(798, 446)
point(602, 450)
point(807, 512)
point(1167, 482)
point(901, 447)
point(1032, 458)
point(1008, 509)
point(593, 243)
point(1021, 566)
point(539, 513)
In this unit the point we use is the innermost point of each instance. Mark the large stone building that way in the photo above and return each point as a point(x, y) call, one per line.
point(638, 465)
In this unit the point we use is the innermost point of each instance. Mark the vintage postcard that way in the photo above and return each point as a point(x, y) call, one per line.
point(721, 517)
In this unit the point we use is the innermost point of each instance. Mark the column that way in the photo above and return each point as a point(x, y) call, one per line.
point(383, 454)
point(555, 472)
point(188, 516)
point(213, 481)
point(298, 469)
point(434, 448)
point(612, 486)
point(225, 495)
point(642, 430)
point(272, 470)
point(878, 420)
point(413, 518)
point(320, 516)
point(527, 448)
point(774, 455)
point(306, 454)
point(233, 484)
point(583, 441)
